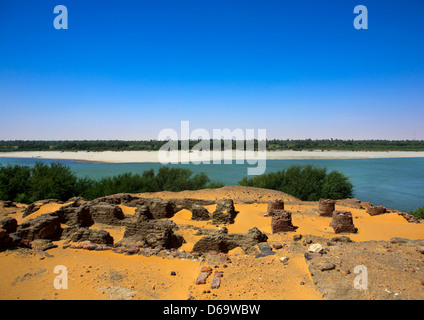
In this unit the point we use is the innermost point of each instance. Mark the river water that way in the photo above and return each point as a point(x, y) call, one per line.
point(394, 183)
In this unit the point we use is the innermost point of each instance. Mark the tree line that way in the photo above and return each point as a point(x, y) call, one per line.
point(154, 145)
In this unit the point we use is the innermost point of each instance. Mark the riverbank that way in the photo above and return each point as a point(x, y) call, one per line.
point(152, 156)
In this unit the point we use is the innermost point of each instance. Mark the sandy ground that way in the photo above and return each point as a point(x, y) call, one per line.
point(153, 156)
point(29, 274)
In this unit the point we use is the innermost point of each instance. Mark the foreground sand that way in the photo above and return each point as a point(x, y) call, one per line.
point(152, 156)
point(396, 269)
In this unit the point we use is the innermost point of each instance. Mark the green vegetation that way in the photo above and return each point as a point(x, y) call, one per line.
point(14, 182)
point(26, 184)
point(166, 179)
point(346, 145)
point(307, 183)
point(419, 212)
point(272, 145)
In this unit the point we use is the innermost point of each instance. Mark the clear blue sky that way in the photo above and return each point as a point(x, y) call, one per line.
point(128, 69)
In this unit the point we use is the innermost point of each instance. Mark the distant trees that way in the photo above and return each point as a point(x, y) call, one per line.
point(346, 145)
point(26, 184)
point(272, 145)
point(307, 183)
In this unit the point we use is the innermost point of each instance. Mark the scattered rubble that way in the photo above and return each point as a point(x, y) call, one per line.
point(222, 241)
point(376, 210)
point(224, 213)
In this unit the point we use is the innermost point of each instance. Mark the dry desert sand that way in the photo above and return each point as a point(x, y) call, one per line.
point(387, 244)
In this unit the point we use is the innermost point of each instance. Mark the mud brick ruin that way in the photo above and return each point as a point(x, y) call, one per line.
point(282, 221)
point(342, 221)
point(326, 207)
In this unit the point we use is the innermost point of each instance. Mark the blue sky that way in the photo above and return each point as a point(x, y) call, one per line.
point(128, 69)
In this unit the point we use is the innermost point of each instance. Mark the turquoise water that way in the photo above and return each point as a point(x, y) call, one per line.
point(394, 183)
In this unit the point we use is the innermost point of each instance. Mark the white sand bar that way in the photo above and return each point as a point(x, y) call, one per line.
point(152, 156)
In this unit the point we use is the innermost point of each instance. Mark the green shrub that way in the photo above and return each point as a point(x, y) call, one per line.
point(419, 212)
point(179, 179)
point(336, 186)
point(307, 183)
point(54, 181)
point(14, 182)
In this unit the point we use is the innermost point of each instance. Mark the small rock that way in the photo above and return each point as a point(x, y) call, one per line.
point(264, 254)
point(133, 250)
point(216, 283)
point(312, 255)
point(297, 237)
point(420, 249)
point(264, 248)
point(326, 266)
point(201, 278)
point(341, 239)
point(51, 246)
point(25, 243)
point(284, 259)
point(218, 274)
point(206, 269)
point(118, 250)
point(173, 273)
point(277, 245)
point(316, 247)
